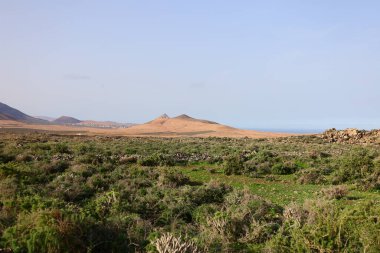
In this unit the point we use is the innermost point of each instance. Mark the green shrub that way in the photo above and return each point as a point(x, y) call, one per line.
point(311, 176)
point(357, 164)
point(57, 167)
point(371, 182)
point(9, 169)
point(244, 219)
point(57, 231)
point(170, 178)
point(129, 159)
point(70, 187)
point(335, 192)
point(7, 156)
point(233, 165)
point(212, 192)
point(327, 228)
point(153, 160)
point(284, 168)
point(118, 194)
point(62, 148)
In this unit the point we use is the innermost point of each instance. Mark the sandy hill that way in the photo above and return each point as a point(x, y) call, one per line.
point(163, 126)
point(12, 114)
point(184, 125)
point(66, 120)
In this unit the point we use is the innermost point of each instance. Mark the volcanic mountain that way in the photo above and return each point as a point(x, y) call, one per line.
point(66, 120)
point(163, 126)
point(184, 125)
point(12, 114)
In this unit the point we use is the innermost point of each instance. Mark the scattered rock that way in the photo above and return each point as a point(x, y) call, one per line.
point(351, 135)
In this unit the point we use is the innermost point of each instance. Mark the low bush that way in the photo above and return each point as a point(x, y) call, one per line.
point(284, 168)
point(56, 231)
point(311, 176)
point(173, 179)
point(233, 165)
point(116, 194)
point(156, 160)
point(62, 148)
point(321, 226)
point(371, 182)
point(355, 165)
point(335, 192)
point(168, 243)
point(212, 192)
point(244, 219)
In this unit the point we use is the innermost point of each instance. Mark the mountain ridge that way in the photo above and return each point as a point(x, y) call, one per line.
point(10, 113)
point(163, 126)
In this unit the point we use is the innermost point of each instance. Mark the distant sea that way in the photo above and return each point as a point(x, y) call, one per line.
point(292, 131)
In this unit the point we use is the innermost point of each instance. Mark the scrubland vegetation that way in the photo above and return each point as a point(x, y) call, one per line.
point(117, 194)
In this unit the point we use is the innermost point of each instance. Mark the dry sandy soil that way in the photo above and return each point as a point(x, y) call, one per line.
point(181, 126)
point(186, 126)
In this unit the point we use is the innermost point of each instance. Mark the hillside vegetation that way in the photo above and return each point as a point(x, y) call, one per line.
point(124, 194)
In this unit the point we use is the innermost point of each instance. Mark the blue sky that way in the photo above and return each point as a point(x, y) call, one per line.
point(252, 64)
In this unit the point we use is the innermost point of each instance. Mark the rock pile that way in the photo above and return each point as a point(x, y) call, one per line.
point(352, 135)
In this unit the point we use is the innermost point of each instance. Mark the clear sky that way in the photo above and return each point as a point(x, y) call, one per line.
point(252, 64)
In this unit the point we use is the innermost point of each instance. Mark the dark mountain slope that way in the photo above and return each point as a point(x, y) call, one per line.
point(66, 120)
point(9, 113)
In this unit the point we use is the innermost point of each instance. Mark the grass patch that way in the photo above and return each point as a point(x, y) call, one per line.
point(281, 191)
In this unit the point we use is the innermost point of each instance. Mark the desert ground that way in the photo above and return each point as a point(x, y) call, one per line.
point(160, 127)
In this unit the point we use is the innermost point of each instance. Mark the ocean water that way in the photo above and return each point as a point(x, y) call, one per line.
point(289, 130)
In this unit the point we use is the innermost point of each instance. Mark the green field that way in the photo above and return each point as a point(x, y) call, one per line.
point(281, 190)
point(117, 194)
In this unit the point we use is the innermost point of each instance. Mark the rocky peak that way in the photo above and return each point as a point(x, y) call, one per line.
point(164, 116)
point(183, 116)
